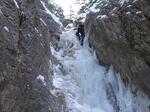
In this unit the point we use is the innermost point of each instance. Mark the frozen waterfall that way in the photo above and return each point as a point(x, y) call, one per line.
point(89, 87)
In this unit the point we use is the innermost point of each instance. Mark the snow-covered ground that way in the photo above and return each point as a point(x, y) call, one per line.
point(87, 86)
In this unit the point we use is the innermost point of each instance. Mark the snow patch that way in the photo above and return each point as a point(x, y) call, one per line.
point(40, 77)
point(69, 26)
point(52, 50)
point(42, 44)
point(113, 14)
point(94, 9)
point(29, 35)
point(50, 63)
point(6, 28)
point(43, 21)
point(16, 4)
point(135, 1)
point(114, 9)
point(82, 16)
point(52, 15)
point(139, 12)
point(128, 13)
point(102, 16)
point(40, 35)
point(123, 1)
point(129, 6)
point(36, 30)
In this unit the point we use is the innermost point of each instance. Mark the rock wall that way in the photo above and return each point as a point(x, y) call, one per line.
point(120, 33)
point(25, 72)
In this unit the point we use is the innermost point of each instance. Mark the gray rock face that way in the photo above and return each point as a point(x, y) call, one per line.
point(25, 33)
point(121, 35)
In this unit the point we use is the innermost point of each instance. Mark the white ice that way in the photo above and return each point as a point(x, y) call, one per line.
point(87, 86)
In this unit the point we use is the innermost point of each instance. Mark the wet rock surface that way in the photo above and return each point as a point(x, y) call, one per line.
point(120, 34)
point(26, 31)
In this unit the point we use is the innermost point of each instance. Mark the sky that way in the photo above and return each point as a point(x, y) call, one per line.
point(66, 4)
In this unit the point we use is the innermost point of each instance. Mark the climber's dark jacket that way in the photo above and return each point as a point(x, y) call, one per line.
point(80, 33)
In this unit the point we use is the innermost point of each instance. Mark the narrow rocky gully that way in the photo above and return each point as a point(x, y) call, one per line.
point(44, 67)
point(88, 86)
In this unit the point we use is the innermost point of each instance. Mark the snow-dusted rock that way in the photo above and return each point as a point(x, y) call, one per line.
point(123, 38)
point(25, 33)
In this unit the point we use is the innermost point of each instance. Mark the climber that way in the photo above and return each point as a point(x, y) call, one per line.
point(80, 33)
